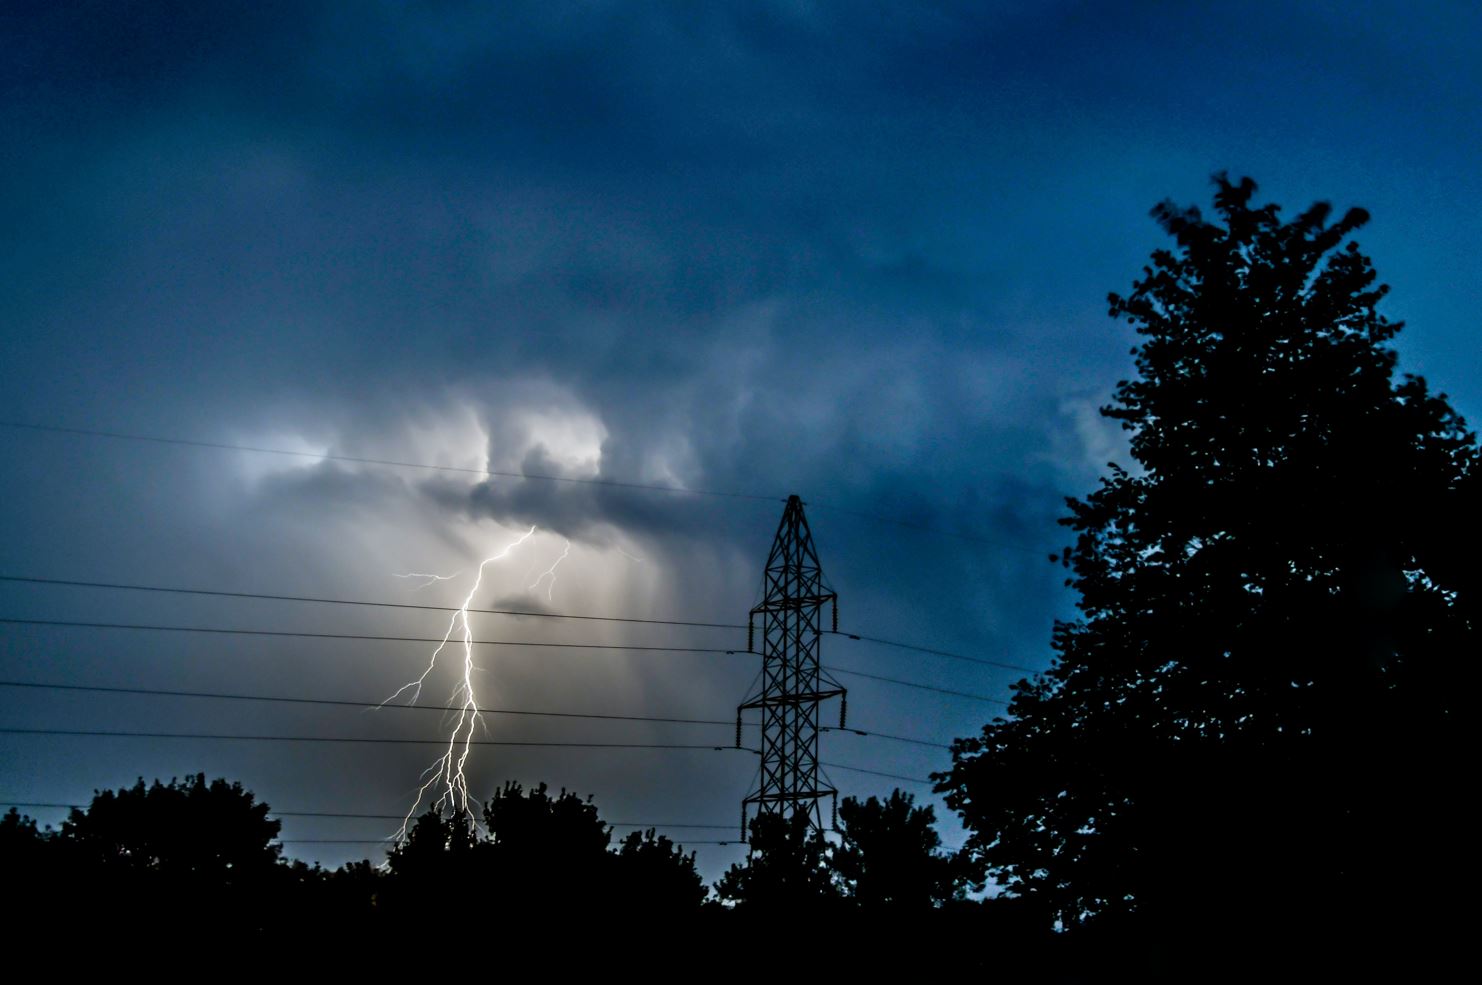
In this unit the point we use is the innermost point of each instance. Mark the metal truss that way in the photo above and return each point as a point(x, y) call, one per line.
point(792, 683)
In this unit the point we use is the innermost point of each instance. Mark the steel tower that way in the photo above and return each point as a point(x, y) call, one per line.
point(792, 683)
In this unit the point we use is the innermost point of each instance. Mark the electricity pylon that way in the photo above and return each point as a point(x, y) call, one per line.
point(792, 683)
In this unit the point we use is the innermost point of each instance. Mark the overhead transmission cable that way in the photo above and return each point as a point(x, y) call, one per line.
point(390, 843)
point(374, 740)
point(378, 740)
point(309, 635)
point(291, 634)
point(364, 705)
point(934, 652)
point(343, 815)
point(321, 600)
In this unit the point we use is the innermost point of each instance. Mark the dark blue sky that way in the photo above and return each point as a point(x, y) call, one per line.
point(858, 252)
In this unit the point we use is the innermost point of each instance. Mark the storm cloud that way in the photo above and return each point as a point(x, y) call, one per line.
point(854, 252)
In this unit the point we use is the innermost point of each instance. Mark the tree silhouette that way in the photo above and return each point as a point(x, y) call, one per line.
point(1251, 731)
point(18, 836)
point(188, 853)
point(652, 873)
point(521, 824)
point(26, 861)
point(787, 868)
point(435, 853)
point(541, 854)
point(890, 855)
point(214, 831)
point(548, 849)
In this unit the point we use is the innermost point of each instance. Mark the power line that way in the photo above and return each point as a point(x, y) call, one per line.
point(226, 446)
point(333, 702)
point(319, 600)
point(879, 735)
point(392, 817)
point(426, 639)
point(334, 841)
point(919, 687)
point(116, 734)
point(342, 703)
point(860, 769)
point(369, 603)
point(371, 740)
point(391, 844)
point(400, 817)
point(924, 649)
point(304, 634)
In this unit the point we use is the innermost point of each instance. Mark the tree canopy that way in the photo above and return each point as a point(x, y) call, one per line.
point(786, 869)
point(184, 827)
point(891, 855)
point(543, 852)
point(1255, 715)
point(195, 855)
point(656, 875)
point(888, 856)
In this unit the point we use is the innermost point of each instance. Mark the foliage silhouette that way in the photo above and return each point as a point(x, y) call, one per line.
point(29, 874)
point(429, 862)
point(787, 868)
point(187, 828)
point(189, 854)
point(544, 853)
point(653, 873)
point(196, 860)
point(890, 855)
point(18, 835)
point(1251, 733)
point(25, 856)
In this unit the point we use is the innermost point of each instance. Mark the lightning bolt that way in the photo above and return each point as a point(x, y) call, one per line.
point(551, 574)
point(430, 578)
point(447, 771)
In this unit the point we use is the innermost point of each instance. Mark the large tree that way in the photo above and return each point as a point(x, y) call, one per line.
point(891, 855)
point(195, 856)
point(214, 832)
point(542, 854)
point(1253, 723)
point(653, 874)
point(787, 868)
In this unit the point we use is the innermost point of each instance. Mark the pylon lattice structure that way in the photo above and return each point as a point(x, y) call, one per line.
point(792, 683)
